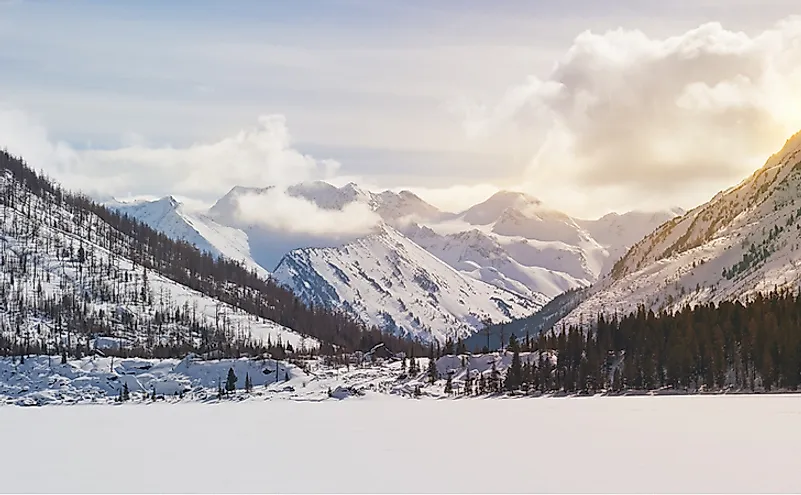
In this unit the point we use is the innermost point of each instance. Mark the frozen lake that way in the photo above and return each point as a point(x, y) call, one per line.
point(385, 444)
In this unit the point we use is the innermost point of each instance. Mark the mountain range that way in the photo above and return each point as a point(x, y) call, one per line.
point(399, 262)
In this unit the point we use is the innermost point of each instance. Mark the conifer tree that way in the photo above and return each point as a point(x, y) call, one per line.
point(230, 382)
point(449, 384)
point(449, 347)
point(514, 375)
point(495, 379)
point(433, 374)
point(468, 383)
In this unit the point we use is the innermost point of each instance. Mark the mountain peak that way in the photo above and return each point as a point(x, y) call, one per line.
point(168, 201)
point(351, 189)
point(491, 210)
point(240, 190)
point(513, 196)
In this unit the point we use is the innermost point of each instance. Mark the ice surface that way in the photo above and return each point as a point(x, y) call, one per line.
point(385, 444)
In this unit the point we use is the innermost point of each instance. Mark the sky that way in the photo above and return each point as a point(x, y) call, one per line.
point(590, 106)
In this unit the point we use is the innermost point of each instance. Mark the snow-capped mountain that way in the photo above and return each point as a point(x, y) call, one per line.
point(515, 242)
point(169, 216)
point(391, 282)
point(510, 242)
point(743, 241)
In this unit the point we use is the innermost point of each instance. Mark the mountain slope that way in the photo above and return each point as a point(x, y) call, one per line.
point(391, 282)
point(745, 240)
point(168, 216)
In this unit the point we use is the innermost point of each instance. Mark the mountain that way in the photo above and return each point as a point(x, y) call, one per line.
point(515, 242)
point(167, 215)
point(391, 282)
point(491, 210)
point(511, 241)
point(744, 241)
point(76, 277)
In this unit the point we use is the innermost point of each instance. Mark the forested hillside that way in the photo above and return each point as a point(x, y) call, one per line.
point(731, 345)
point(72, 271)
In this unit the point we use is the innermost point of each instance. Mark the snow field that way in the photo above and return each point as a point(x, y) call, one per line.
point(380, 444)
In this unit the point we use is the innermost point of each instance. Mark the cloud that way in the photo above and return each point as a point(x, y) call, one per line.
point(277, 210)
point(637, 117)
point(260, 156)
point(198, 174)
point(23, 136)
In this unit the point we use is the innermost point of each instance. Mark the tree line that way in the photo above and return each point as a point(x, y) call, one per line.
point(752, 346)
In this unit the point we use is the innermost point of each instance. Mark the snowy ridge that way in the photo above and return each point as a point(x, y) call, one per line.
point(393, 283)
point(744, 241)
point(168, 216)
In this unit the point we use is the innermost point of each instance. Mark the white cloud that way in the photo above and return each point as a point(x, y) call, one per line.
point(656, 120)
point(23, 136)
point(275, 209)
point(259, 156)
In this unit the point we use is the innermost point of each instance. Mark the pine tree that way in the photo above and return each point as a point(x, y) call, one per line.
point(230, 382)
point(468, 383)
point(433, 374)
point(126, 394)
point(449, 347)
point(617, 384)
point(63, 356)
point(514, 375)
point(495, 379)
point(248, 384)
point(286, 376)
point(449, 384)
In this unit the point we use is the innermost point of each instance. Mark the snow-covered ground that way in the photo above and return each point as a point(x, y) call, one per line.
point(382, 444)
